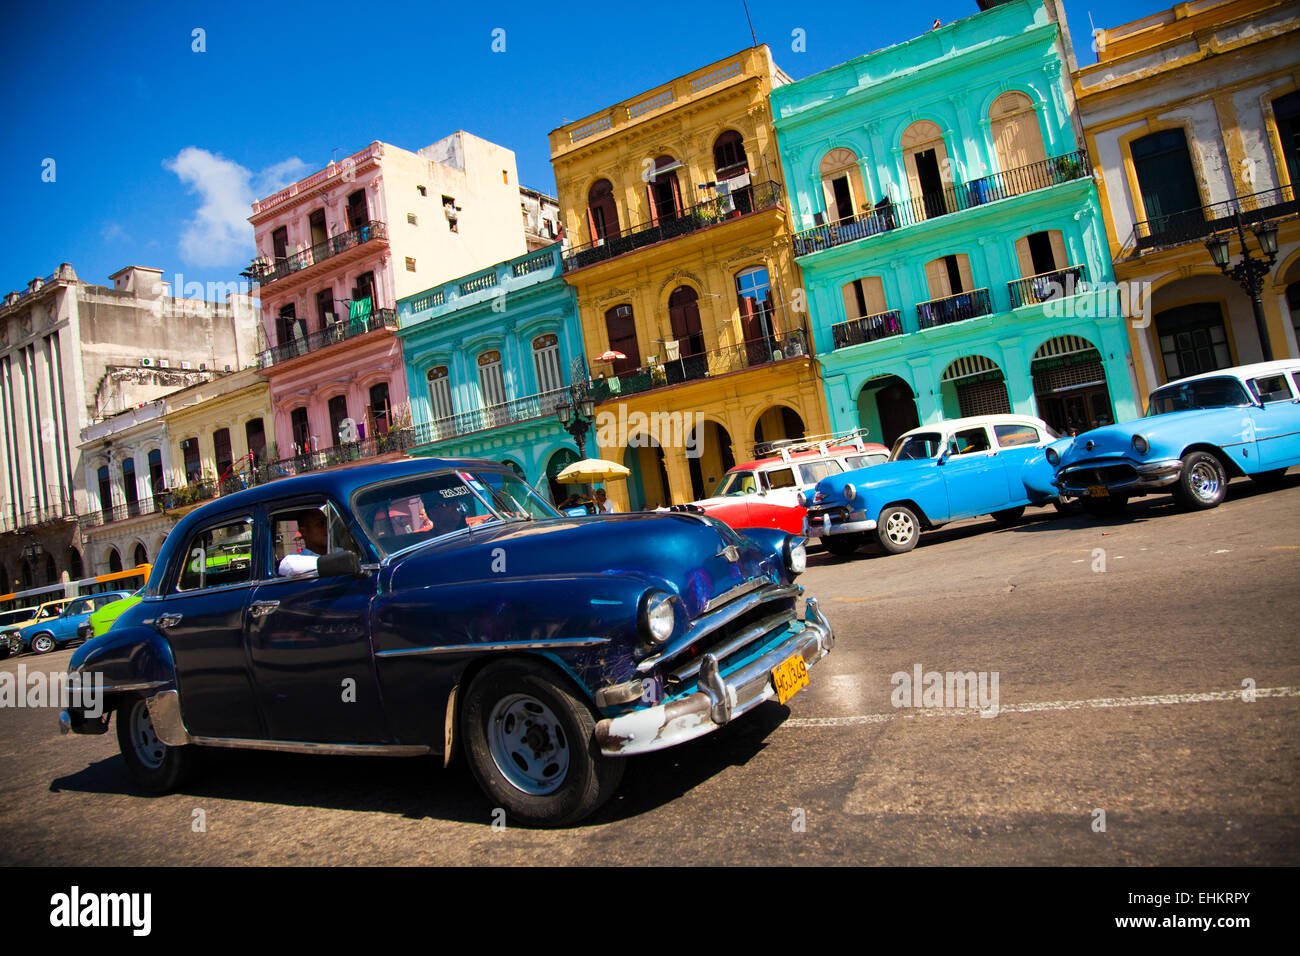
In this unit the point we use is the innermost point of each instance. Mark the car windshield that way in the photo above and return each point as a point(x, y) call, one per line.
point(1203, 393)
point(917, 447)
point(397, 515)
point(738, 483)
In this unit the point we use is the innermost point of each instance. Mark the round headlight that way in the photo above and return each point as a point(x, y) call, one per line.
point(796, 556)
point(802, 498)
point(657, 617)
point(1053, 458)
point(1140, 445)
point(850, 492)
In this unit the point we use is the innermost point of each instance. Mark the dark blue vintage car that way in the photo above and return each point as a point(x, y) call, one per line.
point(1199, 433)
point(450, 606)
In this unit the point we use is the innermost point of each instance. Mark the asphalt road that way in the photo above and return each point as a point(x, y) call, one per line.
point(1119, 691)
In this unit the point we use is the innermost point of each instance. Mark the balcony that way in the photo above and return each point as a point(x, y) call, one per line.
point(338, 332)
point(525, 409)
point(131, 509)
point(1194, 225)
point(689, 368)
point(889, 215)
point(741, 202)
point(953, 308)
point(394, 440)
point(868, 328)
point(37, 518)
point(1046, 287)
point(265, 273)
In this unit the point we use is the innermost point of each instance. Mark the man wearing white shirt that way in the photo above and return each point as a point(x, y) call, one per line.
point(315, 539)
point(603, 506)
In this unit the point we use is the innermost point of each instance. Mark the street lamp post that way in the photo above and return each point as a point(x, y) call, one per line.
point(1249, 273)
point(575, 417)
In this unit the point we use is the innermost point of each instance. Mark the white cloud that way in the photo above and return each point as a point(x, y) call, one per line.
point(219, 234)
point(113, 232)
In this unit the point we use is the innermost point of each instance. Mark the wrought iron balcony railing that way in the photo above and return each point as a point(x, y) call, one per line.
point(524, 409)
point(319, 252)
point(953, 308)
point(394, 440)
point(338, 332)
point(689, 368)
point(37, 517)
point(889, 215)
point(741, 202)
point(1048, 286)
point(1194, 225)
point(868, 328)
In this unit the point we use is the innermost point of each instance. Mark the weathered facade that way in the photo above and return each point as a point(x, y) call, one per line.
point(72, 353)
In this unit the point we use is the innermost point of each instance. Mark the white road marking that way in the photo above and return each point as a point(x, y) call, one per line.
point(1096, 702)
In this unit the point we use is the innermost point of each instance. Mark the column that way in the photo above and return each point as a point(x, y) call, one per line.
point(926, 374)
point(1019, 381)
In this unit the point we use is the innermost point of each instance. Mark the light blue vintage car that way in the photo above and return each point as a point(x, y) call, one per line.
point(1199, 433)
point(987, 464)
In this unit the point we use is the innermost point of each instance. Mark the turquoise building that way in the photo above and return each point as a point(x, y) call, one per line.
point(948, 228)
point(488, 357)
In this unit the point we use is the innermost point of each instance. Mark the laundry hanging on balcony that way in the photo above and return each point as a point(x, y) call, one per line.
point(358, 313)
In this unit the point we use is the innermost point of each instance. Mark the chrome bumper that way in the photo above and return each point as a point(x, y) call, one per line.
point(1150, 476)
point(719, 699)
point(824, 527)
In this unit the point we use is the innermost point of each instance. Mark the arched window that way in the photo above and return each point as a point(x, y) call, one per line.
point(929, 169)
point(754, 296)
point(439, 382)
point(114, 560)
point(684, 316)
point(546, 362)
point(842, 185)
point(128, 487)
point(105, 492)
point(1017, 139)
point(663, 192)
point(491, 379)
point(141, 556)
point(620, 326)
point(729, 155)
point(76, 570)
point(602, 213)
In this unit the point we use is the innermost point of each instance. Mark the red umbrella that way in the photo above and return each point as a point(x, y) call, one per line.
point(609, 356)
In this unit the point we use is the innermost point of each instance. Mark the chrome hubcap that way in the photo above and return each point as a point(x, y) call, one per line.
point(42, 644)
point(528, 744)
point(1205, 481)
point(899, 528)
point(148, 748)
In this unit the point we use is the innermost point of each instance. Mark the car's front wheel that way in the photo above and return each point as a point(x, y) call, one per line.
point(157, 767)
point(1202, 483)
point(532, 747)
point(842, 545)
point(42, 643)
point(898, 529)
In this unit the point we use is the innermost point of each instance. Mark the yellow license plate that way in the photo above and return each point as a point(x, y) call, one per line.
point(789, 677)
point(1098, 491)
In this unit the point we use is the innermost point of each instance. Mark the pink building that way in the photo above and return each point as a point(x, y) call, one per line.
point(337, 249)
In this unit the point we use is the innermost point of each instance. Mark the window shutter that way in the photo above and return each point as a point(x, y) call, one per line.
point(1023, 257)
point(936, 277)
point(1058, 249)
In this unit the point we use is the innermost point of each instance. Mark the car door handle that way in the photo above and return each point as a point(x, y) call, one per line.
point(167, 620)
point(262, 608)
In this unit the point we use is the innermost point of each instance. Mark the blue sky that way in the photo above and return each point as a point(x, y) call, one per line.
point(157, 149)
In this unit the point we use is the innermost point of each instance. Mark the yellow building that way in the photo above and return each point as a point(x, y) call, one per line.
point(1193, 116)
point(678, 245)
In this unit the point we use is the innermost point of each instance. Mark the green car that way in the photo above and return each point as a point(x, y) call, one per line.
point(103, 619)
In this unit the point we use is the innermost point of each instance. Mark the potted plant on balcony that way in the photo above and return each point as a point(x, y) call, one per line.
point(1069, 167)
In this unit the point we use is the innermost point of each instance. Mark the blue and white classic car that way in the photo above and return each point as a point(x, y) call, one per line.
point(1199, 433)
point(439, 604)
point(987, 464)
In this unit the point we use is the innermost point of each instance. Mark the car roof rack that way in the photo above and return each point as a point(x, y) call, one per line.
point(785, 447)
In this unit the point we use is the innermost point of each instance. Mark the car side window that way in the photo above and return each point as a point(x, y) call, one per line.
point(1012, 435)
point(781, 478)
point(287, 538)
point(1271, 388)
point(971, 440)
point(815, 471)
point(78, 607)
point(218, 556)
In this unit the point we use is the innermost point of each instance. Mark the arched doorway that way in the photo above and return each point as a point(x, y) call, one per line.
point(114, 560)
point(140, 555)
point(886, 409)
point(780, 423)
point(713, 457)
point(1017, 141)
point(1070, 385)
point(602, 212)
point(974, 385)
point(926, 158)
point(558, 462)
point(663, 192)
point(685, 358)
point(647, 485)
point(76, 570)
point(51, 570)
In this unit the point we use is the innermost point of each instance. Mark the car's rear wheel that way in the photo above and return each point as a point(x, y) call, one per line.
point(1202, 483)
point(1105, 507)
point(42, 643)
point(531, 745)
point(843, 544)
point(898, 529)
point(1009, 515)
point(157, 767)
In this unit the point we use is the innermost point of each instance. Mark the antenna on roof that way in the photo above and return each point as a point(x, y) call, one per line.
point(751, 22)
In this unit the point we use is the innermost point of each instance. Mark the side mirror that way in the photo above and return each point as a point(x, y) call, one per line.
point(337, 564)
point(947, 453)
